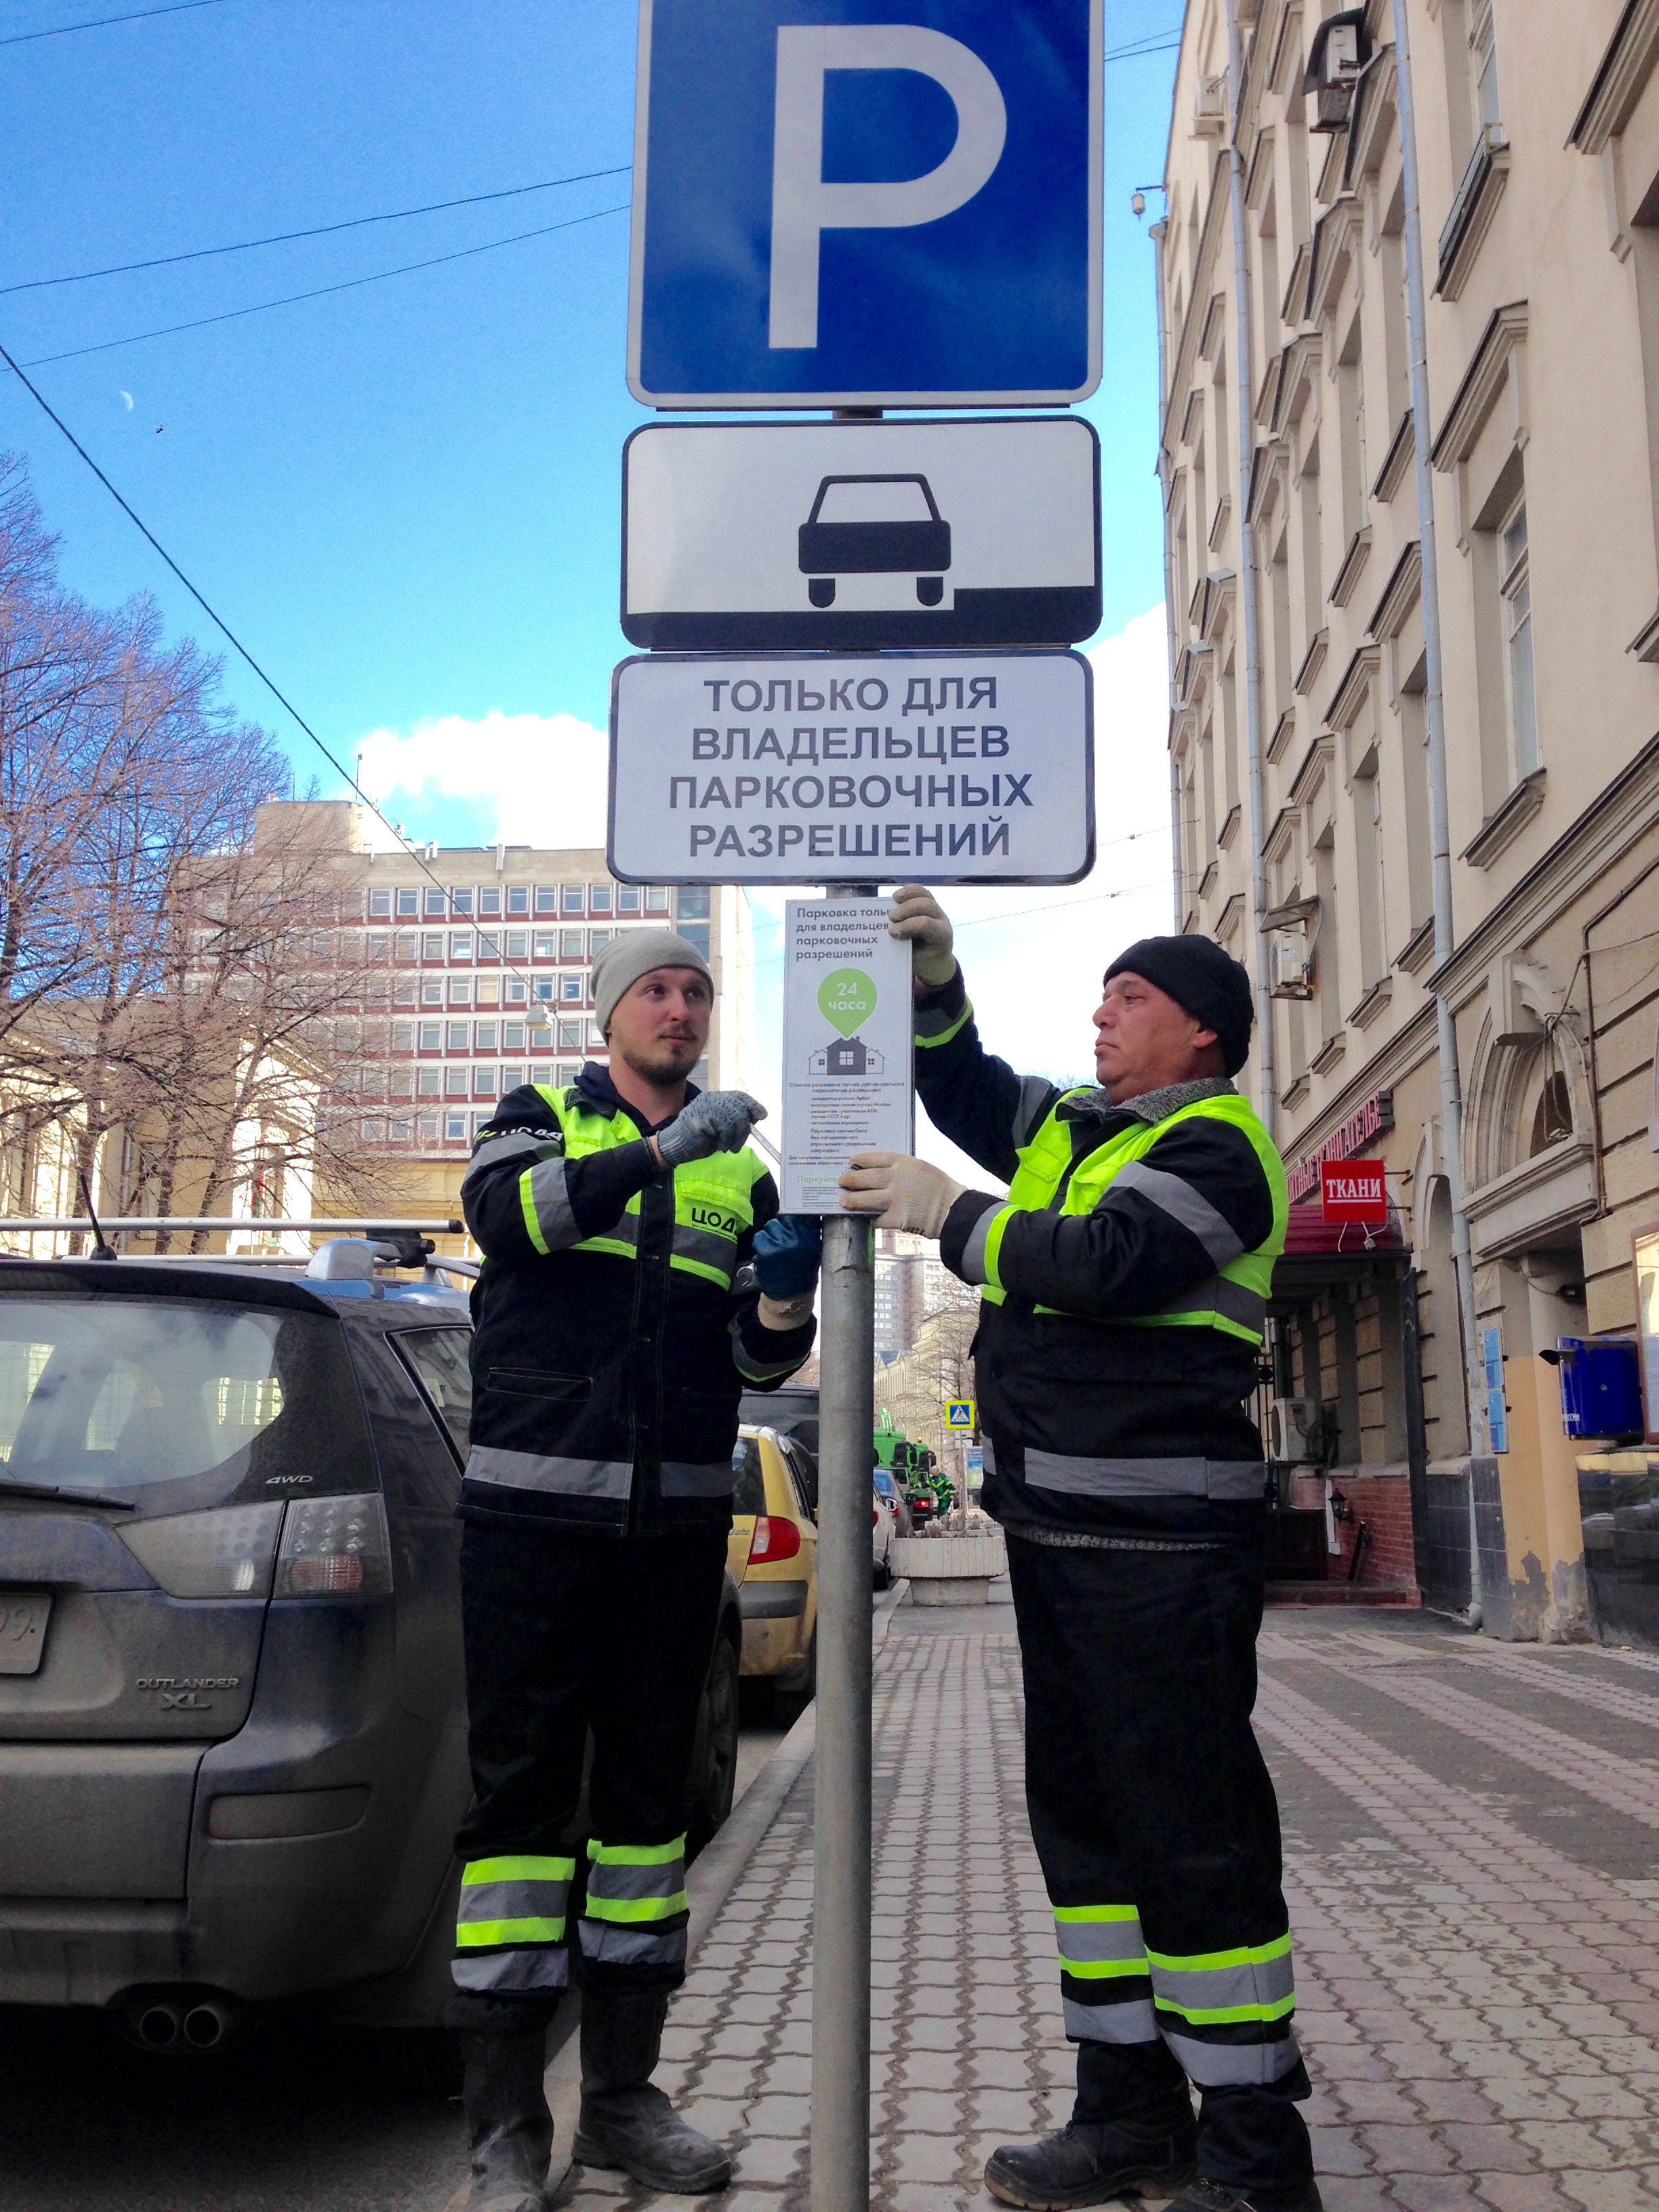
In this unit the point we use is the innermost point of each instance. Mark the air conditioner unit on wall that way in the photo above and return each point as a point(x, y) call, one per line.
point(1210, 107)
point(1290, 963)
point(1295, 1432)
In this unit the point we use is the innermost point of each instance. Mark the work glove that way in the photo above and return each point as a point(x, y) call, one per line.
point(788, 1252)
point(714, 1121)
point(917, 916)
point(902, 1193)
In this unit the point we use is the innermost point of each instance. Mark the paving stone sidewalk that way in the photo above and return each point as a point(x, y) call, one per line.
point(1472, 1844)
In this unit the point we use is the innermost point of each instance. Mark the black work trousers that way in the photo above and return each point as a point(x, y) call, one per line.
point(565, 1635)
point(1156, 1827)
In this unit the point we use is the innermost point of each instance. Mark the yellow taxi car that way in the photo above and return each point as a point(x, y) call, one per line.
point(773, 1554)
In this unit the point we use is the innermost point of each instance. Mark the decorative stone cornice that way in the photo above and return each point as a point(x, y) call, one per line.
point(1620, 78)
point(1357, 680)
point(1400, 595)
point(1504, 336)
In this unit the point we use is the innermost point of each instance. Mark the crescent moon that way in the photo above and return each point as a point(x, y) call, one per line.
point(127, 397)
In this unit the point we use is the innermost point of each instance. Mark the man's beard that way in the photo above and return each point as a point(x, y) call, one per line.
point(668, 1061)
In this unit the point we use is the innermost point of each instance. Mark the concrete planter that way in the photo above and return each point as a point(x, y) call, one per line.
point(951, 1569)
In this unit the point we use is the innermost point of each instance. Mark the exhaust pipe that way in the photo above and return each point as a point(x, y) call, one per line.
point(157, 2027)
point(209, 2023)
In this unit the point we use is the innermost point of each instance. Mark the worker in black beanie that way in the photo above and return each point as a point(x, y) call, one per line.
point(1124, 1283)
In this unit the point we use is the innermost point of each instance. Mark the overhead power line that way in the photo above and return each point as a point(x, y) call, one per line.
point(321, 292)
point(1134, 52)
point(321, 230)
point(103, 22)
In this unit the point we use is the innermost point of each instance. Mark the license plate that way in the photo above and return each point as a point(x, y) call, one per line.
point(23, 1616)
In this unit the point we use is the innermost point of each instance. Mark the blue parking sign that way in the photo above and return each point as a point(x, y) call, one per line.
point(877, 202)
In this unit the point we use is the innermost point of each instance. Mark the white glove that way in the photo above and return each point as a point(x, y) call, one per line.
point(917, 915)
point(903, 1193)
point(714, 1121)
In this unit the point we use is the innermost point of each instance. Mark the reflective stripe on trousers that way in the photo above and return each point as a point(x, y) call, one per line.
point(1080, 1476)
point(559, 1477)
point(636, 1910)
point(510, 1924)
point(1224, 2014)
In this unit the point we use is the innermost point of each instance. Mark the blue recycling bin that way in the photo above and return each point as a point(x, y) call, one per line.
point(1601, 1386)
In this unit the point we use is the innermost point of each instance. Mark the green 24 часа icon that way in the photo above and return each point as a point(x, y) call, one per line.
point(847, 998)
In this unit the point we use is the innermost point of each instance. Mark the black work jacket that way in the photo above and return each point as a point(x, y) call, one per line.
point(605, 1384)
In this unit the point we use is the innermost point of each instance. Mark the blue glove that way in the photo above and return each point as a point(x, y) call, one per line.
point(787, 1252)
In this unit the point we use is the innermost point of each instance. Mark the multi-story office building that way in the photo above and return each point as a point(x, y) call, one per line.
point(1302, 700)
point(477, 967)
point(912, 1282)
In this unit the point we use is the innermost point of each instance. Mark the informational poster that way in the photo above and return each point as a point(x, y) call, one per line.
point(847, 1032)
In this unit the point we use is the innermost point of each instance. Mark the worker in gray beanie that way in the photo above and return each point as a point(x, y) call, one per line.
point(636, 1279)
point(1124, 1283)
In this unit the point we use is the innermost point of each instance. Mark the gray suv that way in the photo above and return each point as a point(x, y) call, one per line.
point(233, 1747)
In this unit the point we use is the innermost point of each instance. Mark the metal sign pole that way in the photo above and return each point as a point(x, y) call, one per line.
point(840, 1829)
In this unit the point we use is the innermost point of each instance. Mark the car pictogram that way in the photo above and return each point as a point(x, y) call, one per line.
point(873, 526)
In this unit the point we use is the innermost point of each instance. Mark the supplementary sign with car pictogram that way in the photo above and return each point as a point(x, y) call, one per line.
point(743, 537)
point(919, 767)
point(897, 204)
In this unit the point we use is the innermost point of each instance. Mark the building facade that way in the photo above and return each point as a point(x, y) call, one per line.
point(1304, 777)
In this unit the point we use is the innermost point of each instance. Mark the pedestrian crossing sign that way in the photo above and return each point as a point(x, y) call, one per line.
point(959, 1413)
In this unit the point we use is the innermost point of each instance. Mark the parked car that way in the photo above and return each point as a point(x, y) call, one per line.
point(773, 1556)
point(882, 1531)
point(897, 1504)
point(233, 1746)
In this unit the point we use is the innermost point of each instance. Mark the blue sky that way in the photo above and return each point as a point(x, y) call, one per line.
point(404, 497)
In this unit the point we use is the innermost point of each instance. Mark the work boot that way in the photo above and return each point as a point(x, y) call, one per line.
point(508, 2122)
point(1248, 2197)
point(1092, 2161)
point(625, 2121)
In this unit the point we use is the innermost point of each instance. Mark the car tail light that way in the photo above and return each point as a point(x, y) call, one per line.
point(226, 1551)
point(335, 1547)
point(773, 1538)
point(875, 1518)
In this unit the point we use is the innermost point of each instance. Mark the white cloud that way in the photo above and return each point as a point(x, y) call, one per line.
point(529, 779)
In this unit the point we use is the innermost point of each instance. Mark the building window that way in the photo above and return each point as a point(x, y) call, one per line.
point(570, 1036)
point(379, 904)
point(545, 988)
point(455, 1128)
point(512, 1036)
point(403, 1037)
point(693, 903)
point(404, 992)
point(516, 991)
point(541, 1071)
point(433, 907)
point(518, 898)
point(380, 945)
point(1483, 66)
point(428, 1125)
point(1551, 1121)
point(460, 944)
point(484, 1037)
point(432, 991)
point(696, 933)
point(570, 898)
point(567, 1075)
point(601, 939)
point(628, 898)
point(518, 944)
point(460, 990)
point(456, 1040)
point(431, 946)
point(1515, 591)
point(656, 899)
point(460, 901)
point(431, 1036)
point(484, 1083)
point(408, 903)
point(489, 944)
point(547, 899)
point(486, 991)
point(595, 1037)
point(570, 944)
point(547, 944)
point(455, 1082)
point(570, 990)
point(489, 902)
point(598, 898)
point(428, 1081)
point(407, 945)
point(403, 1083)
point(511, 1079)
point(398, 1129)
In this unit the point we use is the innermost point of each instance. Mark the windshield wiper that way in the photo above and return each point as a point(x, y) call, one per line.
point(7, 1487)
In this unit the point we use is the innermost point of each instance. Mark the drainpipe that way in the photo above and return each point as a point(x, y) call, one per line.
point(1159, 231)
point(1451, 1090)
point(1244, 380)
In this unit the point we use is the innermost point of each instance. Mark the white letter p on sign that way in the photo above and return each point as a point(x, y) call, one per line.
point(804, 206)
